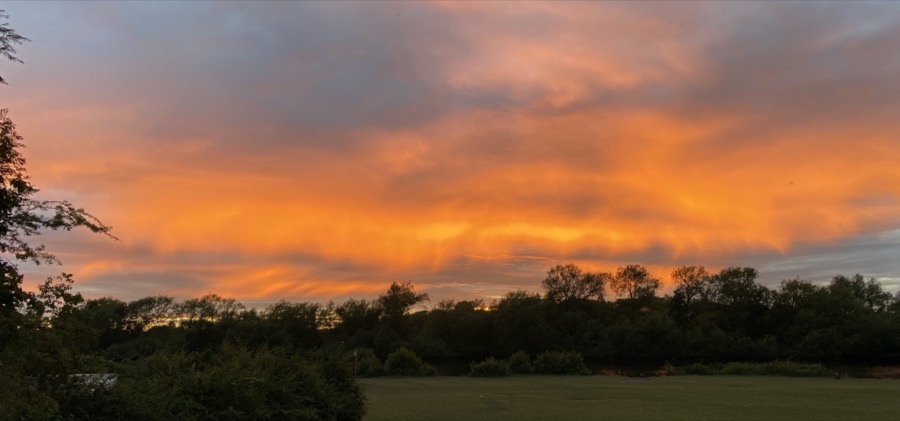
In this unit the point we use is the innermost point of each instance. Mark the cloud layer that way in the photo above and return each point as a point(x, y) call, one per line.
point(321, 150)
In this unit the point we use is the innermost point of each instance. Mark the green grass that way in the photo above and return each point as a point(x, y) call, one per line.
point(625, 398)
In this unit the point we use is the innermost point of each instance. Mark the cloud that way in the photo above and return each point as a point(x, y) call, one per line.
point(290, 150)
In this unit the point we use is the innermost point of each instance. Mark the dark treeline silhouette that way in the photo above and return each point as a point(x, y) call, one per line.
point(721, 316)
point(213, 358)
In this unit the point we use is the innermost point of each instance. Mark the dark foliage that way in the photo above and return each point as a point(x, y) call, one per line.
point(520, 363)
point(771, 368)
point(560, 362)
point(490, 367)
point(404, 362)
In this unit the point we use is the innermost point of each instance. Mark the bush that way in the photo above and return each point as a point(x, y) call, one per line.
point(234, 383)
point(520, 363)
point(699, 369)
point(368, 364)
point(404, 362)
point(883, 372)
point(489, 368)
point(553, 362)
point(771, 368)
point(670, 370)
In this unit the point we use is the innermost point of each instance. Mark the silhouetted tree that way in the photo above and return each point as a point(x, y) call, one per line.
point(634, 282)
point(568, 282)
point(21, 216)
point(358, 320)
point(868, 291)
point(148, 311)
point(520, 321)
point(691, 284)
point(459, 329)
point(399, 299)
point(692, 290)
point(8, 40)
point(206, 309)
point(33, 352)
point(742, 303)
point(293, 324)
point(106, 318)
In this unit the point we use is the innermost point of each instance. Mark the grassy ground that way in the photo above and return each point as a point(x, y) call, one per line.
point(626, 398)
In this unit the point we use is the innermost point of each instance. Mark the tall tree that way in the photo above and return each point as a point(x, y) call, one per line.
point(399, 299)
point(868, 291)
point(33, 359)
point(691, 284)
point(634, 282)
point(568, 283)
point(21, 216)
point(742, 302)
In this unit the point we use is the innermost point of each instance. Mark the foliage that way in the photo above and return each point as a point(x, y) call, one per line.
point(868, 291)
point(22, 217)
point(28, 375)
point(40, 333)
point(490, 367)
point(634, 282)
point(234, 383)
point(520, 363)
point(399, 299)
point(14, 301)
point(8, 40)
point(404, 362)
point(208, 308)
point(569, 282)
point(356, 316)
point(770, 368)
point(461, 330)
point(520, 320)
point(292, 324)
point(883, 372)
point(367, 363)
point(149, 311)
point(560, 362)
point(691, 285)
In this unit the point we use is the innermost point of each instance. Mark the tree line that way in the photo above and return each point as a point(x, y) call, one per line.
point(188, 351)
point(726, 315)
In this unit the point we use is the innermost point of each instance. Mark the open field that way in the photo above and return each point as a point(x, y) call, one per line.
point(626, 398)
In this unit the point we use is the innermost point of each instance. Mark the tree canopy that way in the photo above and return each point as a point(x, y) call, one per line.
point(8, 40)
point(568, 282)
point(634, 282)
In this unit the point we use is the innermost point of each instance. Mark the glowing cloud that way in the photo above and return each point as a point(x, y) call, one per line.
point(465, 146)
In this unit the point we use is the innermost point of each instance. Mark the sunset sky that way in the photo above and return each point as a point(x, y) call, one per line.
point(316, 151)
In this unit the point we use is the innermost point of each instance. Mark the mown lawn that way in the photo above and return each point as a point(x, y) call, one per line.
point(625, 398)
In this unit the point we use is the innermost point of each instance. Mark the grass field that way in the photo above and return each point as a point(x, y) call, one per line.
point(626, 398)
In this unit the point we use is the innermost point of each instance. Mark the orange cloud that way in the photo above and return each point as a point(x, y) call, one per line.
point(530, 134)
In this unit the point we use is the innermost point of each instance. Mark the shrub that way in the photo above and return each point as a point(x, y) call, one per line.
point(555, 362)
point(883, 372)
point(670, 370)
point(234, 383)
point(771, 368)
point(404, 362)
point(520, 363)
point(368, 364)
point(699, 369)
point(489, 368)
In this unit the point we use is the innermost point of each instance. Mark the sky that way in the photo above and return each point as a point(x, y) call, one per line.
point(309, 151)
